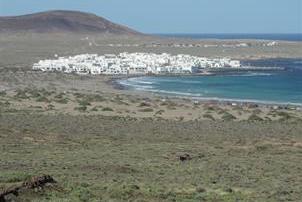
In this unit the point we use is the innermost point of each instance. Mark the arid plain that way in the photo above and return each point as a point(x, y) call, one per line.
point(105, 144)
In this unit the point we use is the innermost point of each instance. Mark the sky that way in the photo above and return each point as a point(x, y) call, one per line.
point(180, 16)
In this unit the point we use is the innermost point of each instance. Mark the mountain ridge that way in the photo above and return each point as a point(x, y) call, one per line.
point(61, 21)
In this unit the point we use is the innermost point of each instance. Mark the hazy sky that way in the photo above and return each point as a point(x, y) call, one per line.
point(180, 16)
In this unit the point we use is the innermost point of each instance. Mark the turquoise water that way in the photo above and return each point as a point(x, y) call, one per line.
point(254, 86)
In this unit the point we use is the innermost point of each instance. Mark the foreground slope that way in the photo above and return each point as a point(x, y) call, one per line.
point(104, 145)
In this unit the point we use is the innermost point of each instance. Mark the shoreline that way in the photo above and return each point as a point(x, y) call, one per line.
point(103, 95)
point(115, 84)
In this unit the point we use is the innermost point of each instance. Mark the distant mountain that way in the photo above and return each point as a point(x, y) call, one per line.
point(61, 22)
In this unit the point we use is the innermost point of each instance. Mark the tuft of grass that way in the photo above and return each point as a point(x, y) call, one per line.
point(90, 98)
point(50, 107)
point(209, 116)
point(12, 177)
point(21, 94)
point(42, 99)
point(228, 117)
point(2, 93)
point(210, 108)
point(159, 112)
point(5, 104)
point(144, 104)
point(35, 93)
point(95, 98)
point(61, 101)
point(107, 109)
point(284, 116)
point(60, 96)
point(81, 108)
point(257, 111)
point(146, 110)
point(84, 103)
point(255, 117)
point(94, 109)
point(82, 193)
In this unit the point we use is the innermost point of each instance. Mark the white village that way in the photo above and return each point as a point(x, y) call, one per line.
point(134, 64)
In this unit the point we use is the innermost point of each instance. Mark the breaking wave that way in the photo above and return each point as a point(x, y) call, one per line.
point(252, 74)
point(201, 97)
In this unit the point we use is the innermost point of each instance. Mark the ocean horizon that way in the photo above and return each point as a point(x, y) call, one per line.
point(272, 36)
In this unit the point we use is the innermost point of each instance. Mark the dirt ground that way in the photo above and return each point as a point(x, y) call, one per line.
point(98, 158)
point(22, 50)
point(105, 144)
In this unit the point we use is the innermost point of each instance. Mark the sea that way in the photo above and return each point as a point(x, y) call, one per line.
point(281, 37)
point(268, 87)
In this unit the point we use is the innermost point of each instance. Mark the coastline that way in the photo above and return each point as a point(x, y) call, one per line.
point(95, 110)
point(101, 95)
point(21, 77)
point(114, 83)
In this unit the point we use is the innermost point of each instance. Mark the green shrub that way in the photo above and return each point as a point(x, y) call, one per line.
point(257, 111)
point(144, 104)
point(84, 103)
point(46, 93)
point(107, 109)
point(254, 117)
point(62, 101)
point(159, 112)
point(81, 108)
point(21, 94)
point(94, 98)
point(94, 109)
point(42, 99)
point(2, 93)
point(146, 110)
point(171, 107)
point(11, 177)
point(284, 116)
point(34, 93)
point(82, 194)
point(228, 117)
point(50, 107)
point(78, 95)
point(60, 96)
point(209, 116)
point(5, 104)
point(210, 108)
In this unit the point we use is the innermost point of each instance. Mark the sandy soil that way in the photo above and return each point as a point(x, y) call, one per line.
point(96, 95)
point(21, 51)
point(105, 144)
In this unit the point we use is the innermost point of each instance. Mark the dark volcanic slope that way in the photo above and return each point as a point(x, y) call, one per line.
point(62, 21)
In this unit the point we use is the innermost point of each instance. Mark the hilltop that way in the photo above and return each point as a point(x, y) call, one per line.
point(61, 21)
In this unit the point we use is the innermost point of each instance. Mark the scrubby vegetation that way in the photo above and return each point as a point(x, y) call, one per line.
point(254, 117)
point(96, 158)
point(107, 109)
point(82, 108)
point(228, 117)
point(209, 116)
point(147, 110)
point(107, 147)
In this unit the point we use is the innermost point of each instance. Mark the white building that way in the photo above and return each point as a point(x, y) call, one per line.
point(133, 63)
